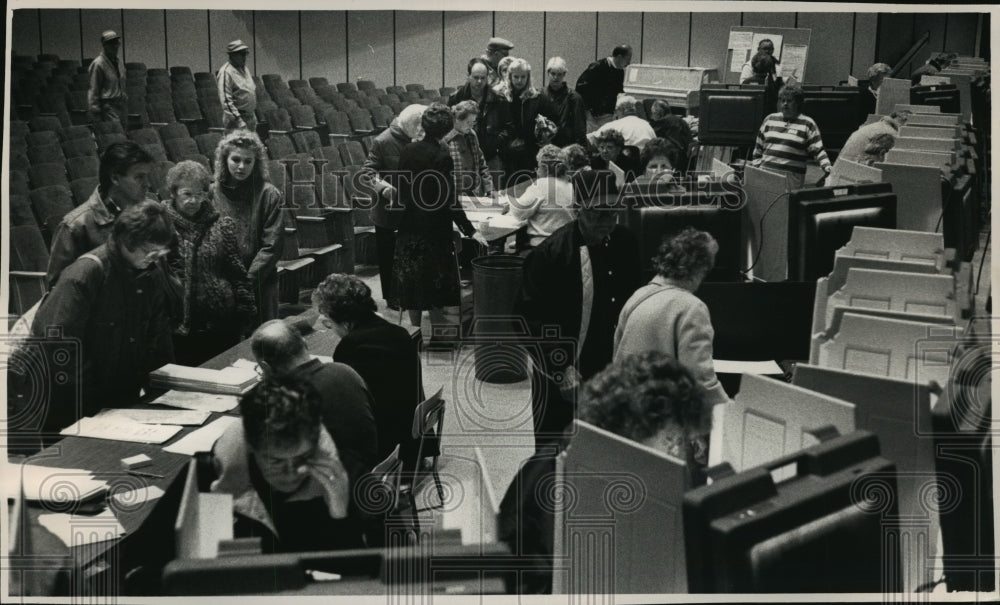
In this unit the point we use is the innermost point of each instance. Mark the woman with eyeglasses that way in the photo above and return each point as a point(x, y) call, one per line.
point(243, 193)
point(218, 304)
point(112, 302)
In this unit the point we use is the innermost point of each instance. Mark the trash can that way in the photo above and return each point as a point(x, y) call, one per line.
point(496, 281)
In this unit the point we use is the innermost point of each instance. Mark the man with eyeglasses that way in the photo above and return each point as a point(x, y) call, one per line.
point(345, 403)
point(572, 123)
point(493, 125)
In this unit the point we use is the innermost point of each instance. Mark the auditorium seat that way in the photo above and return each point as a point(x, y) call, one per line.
point(51, 204)
point(160, 112)
point(75, 148)
point(208, 142)
point(21, 212)
point(361, 122)
point(318, 81)
point(366, 85)
point(52, 173)
point(211, 109)
point(277, 174)
point(381, 117)
point(204, 76)
point(332, 156)
point(155, 151)
point(188, 113)
point(43, 154)
point(29, 259)
point(76, 132)
point(100, 128)
point(82, 166)
point(44, 137)
point(395, 90)
point(279, 146)
point(446, 91)
point(352, 153)
point(303, 117)
point(179, 148)
point(145, 136)
point(19, 180)
point(279, 120)
point(174, 130)
point(83, 188)
point(338, 126)
point(201, 159)
point(158, 179)
point(107, 140)
point(39, 123)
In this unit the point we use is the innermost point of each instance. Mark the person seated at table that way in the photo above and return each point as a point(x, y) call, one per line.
point(658, 159)
point(285, 472)
point(218, 305)
point(611, 148)
point(547, 204)
point(648, 398)
point(673, 128)
point(577, 159)
point(112, 302)
point(383, 354)
point(345, 402)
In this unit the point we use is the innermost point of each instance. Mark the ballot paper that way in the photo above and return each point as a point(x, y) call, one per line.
point(77, 530)
point(202, 439)
point(763, 368)
point(619, 174)
point(50, 484)
point(178, 417)
point(193, 400)
point(116, 428)
point(135, 497)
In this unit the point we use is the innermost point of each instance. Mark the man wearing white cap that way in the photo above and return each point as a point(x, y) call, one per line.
point(106, 95)
point(237, 91)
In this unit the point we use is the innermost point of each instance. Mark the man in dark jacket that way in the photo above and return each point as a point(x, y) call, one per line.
point(577, 281)
point(567, 103)
point(383, 159)
point(493, 126)
point(601, 83)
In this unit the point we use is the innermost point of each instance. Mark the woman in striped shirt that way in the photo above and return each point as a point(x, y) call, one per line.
point(788, 139)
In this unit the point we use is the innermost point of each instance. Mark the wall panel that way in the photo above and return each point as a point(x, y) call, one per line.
point(419, 45)
point(226, 26)
point(324, 45)
point(784, 19)
point(895, 36)
point(143, 37)
point(665, 41)
point(526, 32)
point(865, 33)
point(709, 38)
point(61, 32)
point(829, 59)
point(933, 23)
point(563, 38)
point(95, 21)
point(24, 32)
point(465, 36)
point(619, 28)
point(370, 54)
point(962, 33)
point(276, 44)
point(187, 39)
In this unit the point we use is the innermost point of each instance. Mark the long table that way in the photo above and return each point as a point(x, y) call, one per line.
point(51, 568)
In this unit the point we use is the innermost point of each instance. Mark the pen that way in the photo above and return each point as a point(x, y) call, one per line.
point(142, 474)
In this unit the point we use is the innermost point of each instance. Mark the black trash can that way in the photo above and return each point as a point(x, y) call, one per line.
point(496, 281)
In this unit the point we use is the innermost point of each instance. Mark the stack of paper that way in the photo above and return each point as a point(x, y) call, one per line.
point(191, 400)
point(51, 484)
point(77, 530)
point(227, 381)
point(178, 417)
point(116, 428)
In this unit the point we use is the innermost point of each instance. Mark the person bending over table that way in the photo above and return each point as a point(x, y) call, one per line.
point(217, 296)
point(243, 192)
point(547, 204)
point(425, 267)
point(788, 139)
point(112, 301)
point(383, 354)
point(285, 473)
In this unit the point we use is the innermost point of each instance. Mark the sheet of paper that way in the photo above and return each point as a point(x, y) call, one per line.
point(202, 439)
point(193, 400)
point(244, 363)
point(738, 59)
point(793, 63)
point(929, 80)
point(50, 484)
point(619, 174)
point(232, 375)
point(121, 429)
point(740, 41)
point(725, 366)
point(138, 496)
point(77, 530)
point(852, 81)
point(504, 221)
point(178, 417)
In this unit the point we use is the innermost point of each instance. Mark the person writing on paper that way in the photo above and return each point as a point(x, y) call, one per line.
point(471, 173)
point(788, 139)
point(111, 301)
point(648, 398)
point(547, 204)
point(217, 297)
point(285, 473)
point(666, 316)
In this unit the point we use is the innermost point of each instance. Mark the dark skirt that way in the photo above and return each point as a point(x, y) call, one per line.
point(425, 272)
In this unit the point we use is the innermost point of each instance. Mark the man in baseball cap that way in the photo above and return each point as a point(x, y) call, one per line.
point(106, 94)
point(237, 91)
point(496, 49)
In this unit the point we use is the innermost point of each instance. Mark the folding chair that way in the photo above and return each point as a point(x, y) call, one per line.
point(428, 419)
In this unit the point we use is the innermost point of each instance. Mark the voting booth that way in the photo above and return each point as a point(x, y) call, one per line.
point(791, 48)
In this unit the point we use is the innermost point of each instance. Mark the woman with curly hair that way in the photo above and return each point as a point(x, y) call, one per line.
point(660, 160)
point(547, 204)
point(243, 193)
point(425, 267)
point(217, 300)
point(611, 147)
point(666, 316)
point(382, 353)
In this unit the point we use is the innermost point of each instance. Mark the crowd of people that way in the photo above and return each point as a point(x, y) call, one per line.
point(141, 282)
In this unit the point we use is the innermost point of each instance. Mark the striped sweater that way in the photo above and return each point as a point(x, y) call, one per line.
point(786, 145)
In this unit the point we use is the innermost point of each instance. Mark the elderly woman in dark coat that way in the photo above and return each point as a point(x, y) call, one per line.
point(217, 297)
point(243, 192)
point(426, 267)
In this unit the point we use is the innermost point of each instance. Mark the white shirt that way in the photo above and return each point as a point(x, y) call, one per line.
point(636, 131)
point(546, 206)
